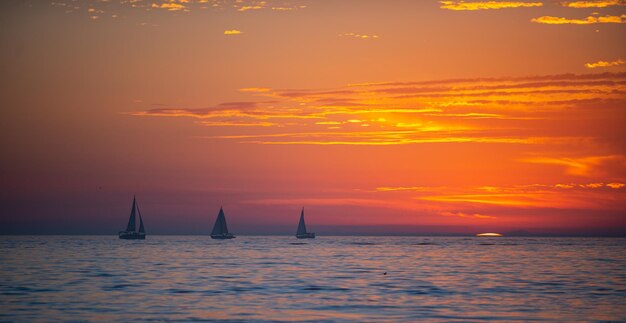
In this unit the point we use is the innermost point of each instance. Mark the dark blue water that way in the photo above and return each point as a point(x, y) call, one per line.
point(51, 278)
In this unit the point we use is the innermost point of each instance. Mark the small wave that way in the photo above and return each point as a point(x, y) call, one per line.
point(245, 288)
point(325, 288)
point(14, 293)
point(119, 286)
point(180, 291)
point(356, 307)
point(23, 290)
point(604, 260)
point(102, 275)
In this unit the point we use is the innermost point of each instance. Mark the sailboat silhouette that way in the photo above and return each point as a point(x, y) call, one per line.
point(220, 229)
point(301, 233)
point(130, 233)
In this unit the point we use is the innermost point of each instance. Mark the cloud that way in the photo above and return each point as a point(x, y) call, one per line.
point(241, 5)
point(495, 80)
point(95, 8)
point(255, 89)
point(322, 201)
point(488, 199)
point(583, 166)
point(532, 110)
point(570, 196)
point(604, 64)
point(466, 215)
point(359, 36)
point(246, 8)
point(485, 5)
point(237, 124)
point(551, 20)
point(592, 185)
point(288, 8)
point(407, 189)
point(593, 4)
point(232, 32)
point(171, 6)
point(517, 200)
point(362, 138)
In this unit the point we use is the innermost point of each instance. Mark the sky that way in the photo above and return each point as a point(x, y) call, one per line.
point(378, 117)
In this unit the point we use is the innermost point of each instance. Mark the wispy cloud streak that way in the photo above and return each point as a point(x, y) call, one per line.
point(552, 20)
point(593, 4)
point(487, 5)
point(604, 64)
point(483, 110)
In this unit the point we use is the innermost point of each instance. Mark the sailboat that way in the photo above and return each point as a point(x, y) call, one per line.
point(301, 233)
point(130, 233)
point(220, 229)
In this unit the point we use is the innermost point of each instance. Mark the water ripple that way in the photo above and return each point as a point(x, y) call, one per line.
point(323, 280)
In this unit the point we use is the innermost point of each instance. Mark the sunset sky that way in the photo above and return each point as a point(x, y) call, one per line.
point(379, 117)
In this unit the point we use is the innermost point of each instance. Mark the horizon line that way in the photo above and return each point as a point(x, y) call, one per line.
point(543, 235)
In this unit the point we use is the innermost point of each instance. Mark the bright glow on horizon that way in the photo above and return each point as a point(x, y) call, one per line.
point(490, 234)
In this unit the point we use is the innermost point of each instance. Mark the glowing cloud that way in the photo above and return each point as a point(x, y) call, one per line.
point(465, 215)
point(232, 32)
point(410, 188)
point(254, 89)
point(604, 64)
point(359, 36)
point(96, 6)
point(593, 4)
point(579, 196)
point(485, 5)
point(254, 5)
point(246, 8)
point(551, 20)
point(288, 8)
point(484, 110)
point(171, 6)
point(582, 166)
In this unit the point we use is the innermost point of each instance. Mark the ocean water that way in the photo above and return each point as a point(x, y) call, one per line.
point(258, 278)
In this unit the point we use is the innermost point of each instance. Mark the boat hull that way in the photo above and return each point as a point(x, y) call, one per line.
point(223, 236)
point(132, 235)
point(309, 235)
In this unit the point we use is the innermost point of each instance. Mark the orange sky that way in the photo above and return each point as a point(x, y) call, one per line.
point(381, 117)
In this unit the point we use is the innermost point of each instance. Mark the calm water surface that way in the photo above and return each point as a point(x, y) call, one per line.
point(330, 278)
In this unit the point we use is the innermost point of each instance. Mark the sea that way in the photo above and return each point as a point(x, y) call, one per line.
point(331, 278)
